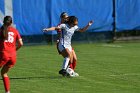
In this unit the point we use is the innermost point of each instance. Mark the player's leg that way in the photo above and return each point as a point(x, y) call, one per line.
point(5, 78)
point(67, 54)
point(71, 71)
point(4, 70)
point(64, 54)
point(57, 46)
point(74, 62)
point(9, 64)
point(71, 61)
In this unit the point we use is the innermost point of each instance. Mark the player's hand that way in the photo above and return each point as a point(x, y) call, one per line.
point(90, 23)
point(45, 30)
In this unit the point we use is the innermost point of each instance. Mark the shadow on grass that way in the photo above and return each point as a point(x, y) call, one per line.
point(35, 77)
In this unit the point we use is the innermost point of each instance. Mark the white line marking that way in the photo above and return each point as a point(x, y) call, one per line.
point(107, 45)
point(128, 74)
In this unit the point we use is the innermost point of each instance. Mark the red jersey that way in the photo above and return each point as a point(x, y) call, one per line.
point(10, 44)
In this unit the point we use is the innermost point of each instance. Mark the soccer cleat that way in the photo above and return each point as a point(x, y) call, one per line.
point(63, 72)
point(74, 74)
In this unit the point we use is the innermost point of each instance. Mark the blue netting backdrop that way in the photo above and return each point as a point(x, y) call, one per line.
point(31, 16)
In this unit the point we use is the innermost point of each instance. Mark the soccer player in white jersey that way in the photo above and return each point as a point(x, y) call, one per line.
point(64, 19)
point(73, 62)
point(67, 30)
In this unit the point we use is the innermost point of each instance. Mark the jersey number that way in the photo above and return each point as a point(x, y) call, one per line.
point(10, 37)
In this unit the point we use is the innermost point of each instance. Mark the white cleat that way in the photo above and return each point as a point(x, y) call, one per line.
point(74, 74)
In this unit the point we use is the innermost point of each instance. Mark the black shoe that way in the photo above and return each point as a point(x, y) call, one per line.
point(63, 72)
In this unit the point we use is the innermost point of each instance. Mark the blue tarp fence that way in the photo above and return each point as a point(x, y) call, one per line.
point(31, 16)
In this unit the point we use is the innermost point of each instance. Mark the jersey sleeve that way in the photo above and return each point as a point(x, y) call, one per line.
point(62, 26)
point(76, 28)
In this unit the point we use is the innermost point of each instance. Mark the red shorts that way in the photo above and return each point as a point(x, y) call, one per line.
point(8, 59)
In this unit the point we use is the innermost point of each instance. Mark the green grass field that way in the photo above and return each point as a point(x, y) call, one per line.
point(103, 68)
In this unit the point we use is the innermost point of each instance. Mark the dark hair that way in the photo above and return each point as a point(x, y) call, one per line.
point(7, 20)
point(72, 19)
point(6, 23)
point(63, 14)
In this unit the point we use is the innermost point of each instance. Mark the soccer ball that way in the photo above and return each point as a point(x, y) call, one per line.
point(70, 71)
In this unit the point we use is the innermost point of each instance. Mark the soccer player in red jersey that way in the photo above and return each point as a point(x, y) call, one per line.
point(10, 42)
point(63, 19)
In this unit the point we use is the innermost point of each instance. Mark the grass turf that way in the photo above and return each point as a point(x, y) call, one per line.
point(103, 68)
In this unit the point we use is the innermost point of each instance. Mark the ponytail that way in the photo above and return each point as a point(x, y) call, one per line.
point(6, 23)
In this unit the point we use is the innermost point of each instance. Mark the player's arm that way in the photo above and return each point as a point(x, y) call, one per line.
point(51, 29)
point(19, 44)
point(86, 27)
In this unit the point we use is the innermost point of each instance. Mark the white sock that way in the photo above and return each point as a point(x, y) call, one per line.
point(65, 63)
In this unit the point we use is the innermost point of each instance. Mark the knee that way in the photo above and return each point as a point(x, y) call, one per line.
point(3, 73)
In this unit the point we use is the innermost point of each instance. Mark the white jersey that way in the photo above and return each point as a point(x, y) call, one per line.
point(66, 34)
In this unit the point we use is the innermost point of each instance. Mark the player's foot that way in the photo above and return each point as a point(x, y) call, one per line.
point(74, 74)
point(63, 72)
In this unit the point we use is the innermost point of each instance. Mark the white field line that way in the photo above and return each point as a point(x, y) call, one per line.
point(107, 45)
point(127, 74)
point(106, 83)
